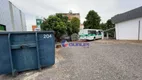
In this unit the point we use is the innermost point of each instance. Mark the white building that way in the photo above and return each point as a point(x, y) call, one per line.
point(11, 17)
point(128, 25)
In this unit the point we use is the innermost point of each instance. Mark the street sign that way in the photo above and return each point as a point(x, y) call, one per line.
point(38, 22)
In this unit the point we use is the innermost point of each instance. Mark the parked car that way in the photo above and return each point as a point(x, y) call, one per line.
point(66, 37)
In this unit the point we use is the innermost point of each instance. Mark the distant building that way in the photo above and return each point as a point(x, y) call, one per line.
point(11, 18)
point(34, 27)
point(128, 25)
point(71, 15)
point(81, 26)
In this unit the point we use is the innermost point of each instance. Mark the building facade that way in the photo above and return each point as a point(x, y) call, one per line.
point(71, 15)
point(81, 26)
point(128, 25)
point(11, 17)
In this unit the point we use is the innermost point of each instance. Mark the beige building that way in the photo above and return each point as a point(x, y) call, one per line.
point(71, 15)
point(81, 26)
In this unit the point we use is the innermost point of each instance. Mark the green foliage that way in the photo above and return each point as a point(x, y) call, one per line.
point(63, 18)
point(60, 25)
point(56, 24)
point(108, 25)
point(103, 26)
point(74, 37)
point(75, 22)
point(69, 28)
point(92, 20)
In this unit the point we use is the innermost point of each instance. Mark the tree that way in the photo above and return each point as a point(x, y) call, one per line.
point(92, 20)
point(103, 26)
point(109, 25)
point(69, 28)
point(60, 25)
point(75, 23)
point(68, 24)
point(56, 24)
point(63, 18)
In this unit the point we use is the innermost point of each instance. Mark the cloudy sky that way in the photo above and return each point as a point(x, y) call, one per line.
point(105, 8)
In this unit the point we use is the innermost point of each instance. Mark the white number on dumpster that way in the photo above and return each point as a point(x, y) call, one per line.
point(47, 36)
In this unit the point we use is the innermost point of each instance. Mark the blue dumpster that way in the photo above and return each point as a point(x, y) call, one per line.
point(20, 51)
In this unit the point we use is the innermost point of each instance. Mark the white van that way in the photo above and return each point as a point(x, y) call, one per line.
point(90, 34)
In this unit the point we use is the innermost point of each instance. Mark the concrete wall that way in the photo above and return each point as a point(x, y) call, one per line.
point(23, 21)
point(5, 17)
point(11, 17)
point(128, 30)
point(18, 17)
point(141, 29)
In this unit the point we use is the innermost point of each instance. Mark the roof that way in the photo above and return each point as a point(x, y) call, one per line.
point(132, 14)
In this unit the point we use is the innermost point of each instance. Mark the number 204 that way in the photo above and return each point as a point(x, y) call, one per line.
point(47, 36)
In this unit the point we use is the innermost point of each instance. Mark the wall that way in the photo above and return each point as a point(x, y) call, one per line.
point(128, 30)
point(18, 18)
point(70, 16)
point(5, 17)
point(11, 17)
point(23, 21)
point(141, 29)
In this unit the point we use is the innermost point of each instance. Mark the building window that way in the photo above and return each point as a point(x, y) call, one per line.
point(2, 27)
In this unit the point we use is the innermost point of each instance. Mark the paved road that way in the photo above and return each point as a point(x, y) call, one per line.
point(98, 62)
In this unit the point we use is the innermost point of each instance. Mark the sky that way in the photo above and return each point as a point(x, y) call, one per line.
point(43, 8)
